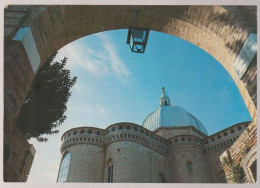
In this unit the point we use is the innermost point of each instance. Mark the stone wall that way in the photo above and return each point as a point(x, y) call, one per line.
point(182, 153)
point(218, 143)
point(133, 162)
point(242, 153)
point(178, 154)
point(18, 157)
point(86, 164)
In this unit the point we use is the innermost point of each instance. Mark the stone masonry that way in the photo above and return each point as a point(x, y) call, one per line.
point(142, 156)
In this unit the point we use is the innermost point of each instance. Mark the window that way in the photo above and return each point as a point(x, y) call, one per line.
point(128, 127)
point(64, 168)
point(219, 136)
point(68, 134)
point(239, 128)
point(110, 174)
point(189, 166)
point(75, 132)
point(113, 129)
point(90, 131)
point(142, 131)
point(225, 133)
point(189, 138)
point(212, 139)
point(135, 129)
point(232, 130)
point(120, 127)
point(82, 131)
point(182, 139)
point(98, 132)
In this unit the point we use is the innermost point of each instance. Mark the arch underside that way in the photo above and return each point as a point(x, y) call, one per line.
point(211, 28)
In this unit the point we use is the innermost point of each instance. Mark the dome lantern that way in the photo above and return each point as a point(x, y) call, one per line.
point(165, 100)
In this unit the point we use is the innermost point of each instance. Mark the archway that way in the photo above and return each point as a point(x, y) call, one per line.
point(214, 29)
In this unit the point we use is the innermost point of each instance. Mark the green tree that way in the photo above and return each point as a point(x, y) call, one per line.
point(44, 107)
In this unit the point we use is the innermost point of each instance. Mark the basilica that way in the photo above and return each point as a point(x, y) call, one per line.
point(171, 146)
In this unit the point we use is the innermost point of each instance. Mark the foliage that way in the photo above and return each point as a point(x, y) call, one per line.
point(237, 174)
point(44, 107)
point(225, 161)
point(245, 150)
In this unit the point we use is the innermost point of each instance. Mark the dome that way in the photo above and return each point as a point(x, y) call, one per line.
point(168, 115)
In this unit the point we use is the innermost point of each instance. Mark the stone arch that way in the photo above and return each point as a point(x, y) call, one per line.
point(214, 29)
point(249, 159)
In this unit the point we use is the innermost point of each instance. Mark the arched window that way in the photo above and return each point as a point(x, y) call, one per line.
point(239, 128)
point(128, 127)
point(189, 166)
point(135, 129)
point(120, 127)
point(182, 139)
point(232, 130)
point(89, 131)
point(110, 172)
point(113, 128)
point(64, 168)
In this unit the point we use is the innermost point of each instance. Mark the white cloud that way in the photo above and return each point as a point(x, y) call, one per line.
point(82, 56)
point(99, 63)
point(117, 65)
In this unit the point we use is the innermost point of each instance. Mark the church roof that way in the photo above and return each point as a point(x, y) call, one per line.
point(168, 115)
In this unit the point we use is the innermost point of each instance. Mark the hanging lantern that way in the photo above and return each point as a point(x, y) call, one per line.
point(137, 39)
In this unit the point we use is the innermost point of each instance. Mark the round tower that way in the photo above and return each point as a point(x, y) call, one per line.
point(134, 154)
point(83, 155)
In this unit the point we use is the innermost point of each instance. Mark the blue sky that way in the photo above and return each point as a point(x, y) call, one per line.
point(116, 85)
